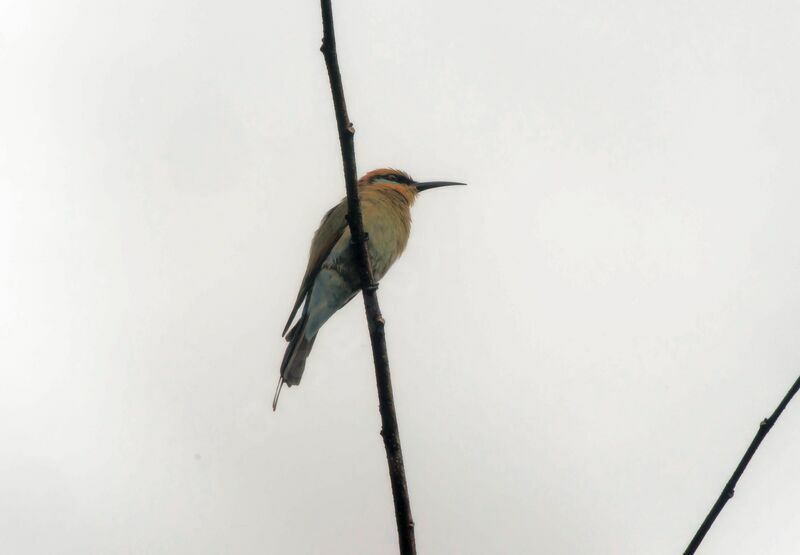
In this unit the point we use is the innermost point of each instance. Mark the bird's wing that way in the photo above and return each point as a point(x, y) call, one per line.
point(330, 230)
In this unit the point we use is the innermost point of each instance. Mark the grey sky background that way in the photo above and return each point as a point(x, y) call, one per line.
point(583, 341)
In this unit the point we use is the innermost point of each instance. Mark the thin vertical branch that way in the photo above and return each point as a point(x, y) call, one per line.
point(375, 322)
point(728, 491)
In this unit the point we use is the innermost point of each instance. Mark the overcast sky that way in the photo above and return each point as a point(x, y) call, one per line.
point(583, 341)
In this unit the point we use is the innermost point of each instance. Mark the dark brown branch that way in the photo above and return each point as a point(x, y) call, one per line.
point(727, 493)
point(375, 322)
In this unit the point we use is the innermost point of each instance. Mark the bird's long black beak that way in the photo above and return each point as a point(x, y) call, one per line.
point(434, 184)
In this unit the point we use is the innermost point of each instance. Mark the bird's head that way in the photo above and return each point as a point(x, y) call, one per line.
point(400, 181)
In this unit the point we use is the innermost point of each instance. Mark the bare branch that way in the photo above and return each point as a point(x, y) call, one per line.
point(375, 322)
point(728, 491)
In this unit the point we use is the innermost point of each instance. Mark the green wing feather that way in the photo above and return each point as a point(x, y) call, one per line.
point(330, 230)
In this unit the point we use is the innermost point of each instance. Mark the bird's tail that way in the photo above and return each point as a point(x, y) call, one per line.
point(294, 360)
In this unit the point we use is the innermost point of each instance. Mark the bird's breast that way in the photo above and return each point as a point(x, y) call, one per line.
point(388, 223)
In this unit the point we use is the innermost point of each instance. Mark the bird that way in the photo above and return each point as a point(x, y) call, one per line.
point(331, 278)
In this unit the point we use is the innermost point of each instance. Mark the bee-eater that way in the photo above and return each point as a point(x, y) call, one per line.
point(332, 279)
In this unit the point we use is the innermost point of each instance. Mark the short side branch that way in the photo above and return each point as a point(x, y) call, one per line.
point(728, 491)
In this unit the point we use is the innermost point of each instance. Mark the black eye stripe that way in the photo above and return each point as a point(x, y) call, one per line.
point(393, 177)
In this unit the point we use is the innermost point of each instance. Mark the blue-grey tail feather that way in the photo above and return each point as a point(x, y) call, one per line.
point(277, 394)
point(294, 359)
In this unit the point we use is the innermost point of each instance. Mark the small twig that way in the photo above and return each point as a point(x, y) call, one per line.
point(375, 322)
point(727, 492)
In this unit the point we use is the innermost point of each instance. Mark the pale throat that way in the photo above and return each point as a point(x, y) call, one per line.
point(408, 194)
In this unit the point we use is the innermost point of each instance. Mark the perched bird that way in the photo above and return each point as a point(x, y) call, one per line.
point(331, 277)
